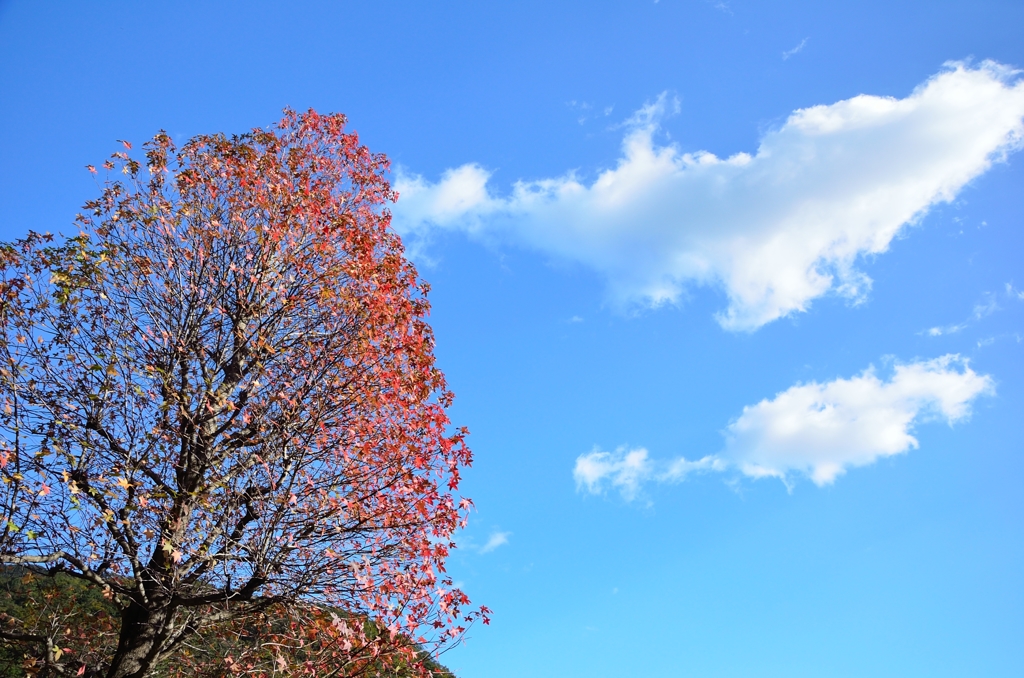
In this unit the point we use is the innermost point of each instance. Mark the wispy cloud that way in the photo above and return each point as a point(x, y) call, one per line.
point(495, 540)
point(984, 308)
point(587, 111)
point(721, 6)
point(796, 50)
point(776, 229)
point(628, 470)
point(625, 470)
point(816, 430)
point(938, 331)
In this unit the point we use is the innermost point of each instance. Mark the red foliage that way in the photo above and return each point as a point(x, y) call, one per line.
point(220, 399)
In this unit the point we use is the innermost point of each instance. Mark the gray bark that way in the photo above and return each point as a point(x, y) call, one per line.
point(144, 635)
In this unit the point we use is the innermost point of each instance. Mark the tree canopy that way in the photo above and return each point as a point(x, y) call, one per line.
point(220, 411)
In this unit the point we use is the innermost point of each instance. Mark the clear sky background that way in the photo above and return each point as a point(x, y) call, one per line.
point(740, 350)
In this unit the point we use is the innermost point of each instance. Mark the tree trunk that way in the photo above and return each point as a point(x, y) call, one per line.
point(143, 635)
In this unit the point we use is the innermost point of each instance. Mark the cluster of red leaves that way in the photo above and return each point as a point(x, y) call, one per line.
point(221, 399)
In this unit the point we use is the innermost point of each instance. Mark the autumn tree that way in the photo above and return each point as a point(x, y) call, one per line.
point(220, 411)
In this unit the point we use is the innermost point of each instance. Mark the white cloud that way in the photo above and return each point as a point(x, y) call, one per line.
point(776, 229)
point(818, 430)
point(623, 469)
point(496, 539)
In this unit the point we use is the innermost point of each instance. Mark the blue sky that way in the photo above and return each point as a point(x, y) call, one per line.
point(730, 294)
